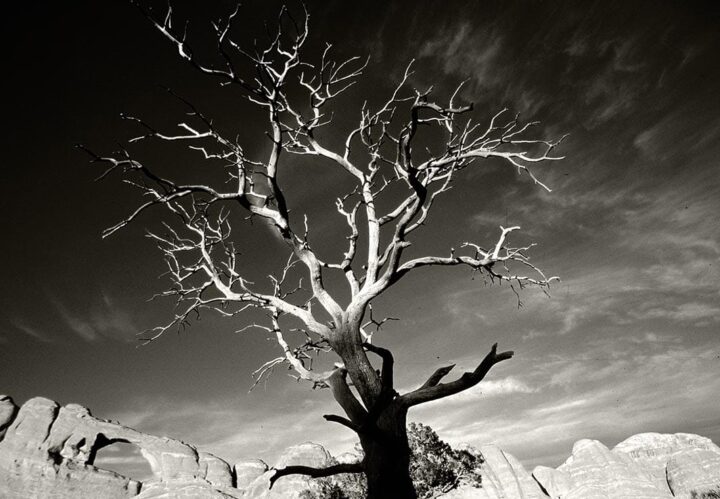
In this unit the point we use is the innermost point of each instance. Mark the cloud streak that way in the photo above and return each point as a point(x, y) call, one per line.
point(30, 331)
point(102, 320)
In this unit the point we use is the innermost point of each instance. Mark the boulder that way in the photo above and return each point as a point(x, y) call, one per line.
point(292, 486)
point(693, 470)
point(27, 434)
point(595, 472)
point(215, 470)
point(306, 454)
point(554, 482)
point(246, 472)
point(652, 451)
point(503, 476)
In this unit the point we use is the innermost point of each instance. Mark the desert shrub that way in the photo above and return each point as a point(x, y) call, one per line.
point(346, 486)
point(435, 467)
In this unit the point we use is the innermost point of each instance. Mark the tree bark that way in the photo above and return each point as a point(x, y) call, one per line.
point(387, 456)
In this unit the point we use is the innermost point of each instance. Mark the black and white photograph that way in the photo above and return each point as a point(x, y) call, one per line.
point(333, 249)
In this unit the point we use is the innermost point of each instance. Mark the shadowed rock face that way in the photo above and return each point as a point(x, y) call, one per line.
point(8, 409)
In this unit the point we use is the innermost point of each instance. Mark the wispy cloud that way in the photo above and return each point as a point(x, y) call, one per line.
point(101, 320)
point(31, 331)
point(463, 48)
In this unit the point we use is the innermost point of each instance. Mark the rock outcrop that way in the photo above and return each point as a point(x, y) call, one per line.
point(503, 477)
point(246, 472)
point(594, 471)
point(292, 486)
point(647, 465)
point(682, 461)
point(49, 451)
point(693, 470)
point(32, 463)
point(8, 409)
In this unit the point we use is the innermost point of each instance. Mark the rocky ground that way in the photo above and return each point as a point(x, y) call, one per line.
point(48, 450)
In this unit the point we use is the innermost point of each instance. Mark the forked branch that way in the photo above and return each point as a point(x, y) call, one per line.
point(433, 390)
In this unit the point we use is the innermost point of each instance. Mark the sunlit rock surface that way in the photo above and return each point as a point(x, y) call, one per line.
point(503, 477)
point(215, 470)
point(49, 451)
point(647, 465)
point(695, 460)
point(693, 470)
point(32, 466)
point(594, 471)
point(246, 472)
point(290, 487)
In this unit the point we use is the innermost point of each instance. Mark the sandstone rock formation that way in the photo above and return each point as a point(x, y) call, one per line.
point(503, 477)
point(8, 409)
point(32, 464)
point(647, 465)
point(290, 487)
point(49, 451)
point(682, 461)
point(693, 470)
point(593, 471)
point(246, 472)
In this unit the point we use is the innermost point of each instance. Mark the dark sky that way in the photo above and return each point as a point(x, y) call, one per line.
point(627, 342)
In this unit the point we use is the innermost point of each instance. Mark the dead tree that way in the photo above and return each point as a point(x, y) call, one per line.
point(390, 160)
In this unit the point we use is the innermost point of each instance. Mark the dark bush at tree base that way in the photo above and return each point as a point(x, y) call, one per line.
point(435, 467)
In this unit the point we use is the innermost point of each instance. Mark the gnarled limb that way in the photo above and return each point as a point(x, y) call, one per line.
point(334, 418)
point(335, 469)
point(345, 397)
point(386, 373)
point(439, 374)
point(467, 380)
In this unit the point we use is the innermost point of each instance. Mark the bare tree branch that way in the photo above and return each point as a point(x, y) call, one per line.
point(399, 159)
point(437, 390)
point(335, 469)
point(438, 375)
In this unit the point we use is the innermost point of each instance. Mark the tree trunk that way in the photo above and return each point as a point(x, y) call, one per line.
point(387, 457)
point(381, 423)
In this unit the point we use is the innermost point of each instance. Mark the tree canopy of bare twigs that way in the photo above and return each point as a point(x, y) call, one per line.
point(404, 153)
